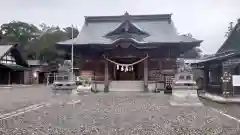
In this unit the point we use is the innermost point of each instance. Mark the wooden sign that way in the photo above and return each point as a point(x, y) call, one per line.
point(155, 75)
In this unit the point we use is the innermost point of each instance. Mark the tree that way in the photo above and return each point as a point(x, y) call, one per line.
point(230, 28)
point(68, 30)
point(44, 27)
point(37, 43)
point(1, 36)
point(44, 48)
point(20, 32)
point(193, 53)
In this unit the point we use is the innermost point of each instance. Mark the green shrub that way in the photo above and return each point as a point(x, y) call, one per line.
point(95, 91)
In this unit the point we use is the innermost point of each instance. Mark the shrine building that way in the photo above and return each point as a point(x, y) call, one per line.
point(128, 52)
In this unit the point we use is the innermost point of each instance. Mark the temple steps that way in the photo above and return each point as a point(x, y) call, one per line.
point(126, 86)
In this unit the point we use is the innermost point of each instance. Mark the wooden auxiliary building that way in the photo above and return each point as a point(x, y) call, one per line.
point(220, 69)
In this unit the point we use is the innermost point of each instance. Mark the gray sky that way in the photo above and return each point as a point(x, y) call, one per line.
point(205, 19)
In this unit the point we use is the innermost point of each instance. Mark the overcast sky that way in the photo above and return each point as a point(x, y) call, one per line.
point(207, 20)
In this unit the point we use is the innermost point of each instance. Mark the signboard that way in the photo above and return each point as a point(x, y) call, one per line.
point(155, 75)
point(236, 80)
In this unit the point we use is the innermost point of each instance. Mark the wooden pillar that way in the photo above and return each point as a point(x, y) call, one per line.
point(206, 78)
point(223, 86)
point(145, 75)
point(106, 83)
point(9, 77)
point(20, 77)
point(54, 77)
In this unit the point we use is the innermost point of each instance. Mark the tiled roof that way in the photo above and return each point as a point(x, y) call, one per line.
point(233, 40)
point(159, 27)
point(191, 61)
point(35, 63)
point(15, 53)
point(129, 27)
point(218, 56)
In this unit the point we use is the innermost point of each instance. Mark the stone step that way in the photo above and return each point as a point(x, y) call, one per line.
point(126, 86)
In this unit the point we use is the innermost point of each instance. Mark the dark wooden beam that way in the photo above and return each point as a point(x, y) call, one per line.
point(146, 75)
point(106, 76)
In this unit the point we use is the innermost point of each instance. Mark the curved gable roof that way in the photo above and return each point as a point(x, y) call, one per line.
point(159, 27)
point(126, 27)
point(5, 49)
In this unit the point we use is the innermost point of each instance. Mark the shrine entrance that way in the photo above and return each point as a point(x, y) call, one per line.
point(131, 74)
point(125, 75)
point(126, 69)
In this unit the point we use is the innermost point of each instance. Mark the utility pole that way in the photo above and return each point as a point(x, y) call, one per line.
point(72, 55)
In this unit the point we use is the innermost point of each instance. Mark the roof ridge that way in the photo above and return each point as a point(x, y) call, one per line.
point(131, 17)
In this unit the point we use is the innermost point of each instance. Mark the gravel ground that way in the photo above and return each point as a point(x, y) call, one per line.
point(122, 113)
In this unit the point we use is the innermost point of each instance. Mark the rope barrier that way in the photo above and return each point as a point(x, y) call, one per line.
point(120, 64)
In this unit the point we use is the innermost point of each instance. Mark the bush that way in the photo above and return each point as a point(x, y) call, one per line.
point(95, 91)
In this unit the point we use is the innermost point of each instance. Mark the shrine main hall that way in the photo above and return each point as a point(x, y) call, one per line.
point(128, 52)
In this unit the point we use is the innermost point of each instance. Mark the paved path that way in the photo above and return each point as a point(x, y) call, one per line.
point(185, 98)
point(125, 113)
point(220, 99)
